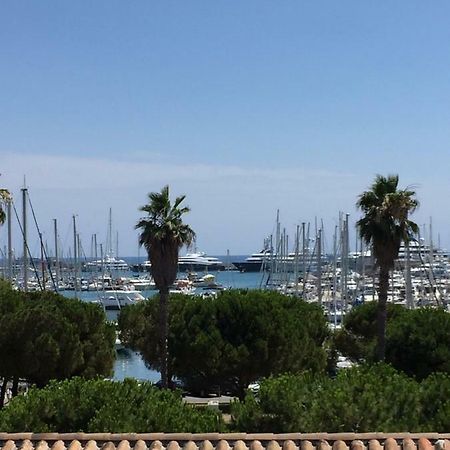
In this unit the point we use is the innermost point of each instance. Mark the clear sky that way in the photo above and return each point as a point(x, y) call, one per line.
point(244, 106)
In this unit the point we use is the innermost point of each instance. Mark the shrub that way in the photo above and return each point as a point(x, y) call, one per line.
point(359, 399)
point(104, 406)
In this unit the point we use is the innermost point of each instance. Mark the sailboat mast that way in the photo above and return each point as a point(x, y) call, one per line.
point(109, 250)
point(79, 255)
point(297, 243)
point(363, 271)
point(344, 270)
point(277, 244)
point(42, 261)
point(25, 244)
point(95, 247)
point(303, 257)
point(408, 287)
point(102, 266)
point(431, 240)
point(75, 259)
point(55, 229)
point(334, 273)
point(319, 267)
point(10, 250)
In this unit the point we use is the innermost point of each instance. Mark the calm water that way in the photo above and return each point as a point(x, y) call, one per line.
point(129, 364)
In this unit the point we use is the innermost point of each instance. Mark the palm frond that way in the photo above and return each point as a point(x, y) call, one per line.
point(163, 233)
point(385, 222)
point(5, 197)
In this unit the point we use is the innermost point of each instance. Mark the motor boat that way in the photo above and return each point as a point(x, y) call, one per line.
point(255, 262)
point(116, 299)
point(199, 261)
point(108, 264)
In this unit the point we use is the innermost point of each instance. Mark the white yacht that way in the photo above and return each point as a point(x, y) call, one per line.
point(108, 264)
point(117, 299)
point(254, 262)
point(199, 261)
point(142, 284)
point(188, 263)
point(141, 267)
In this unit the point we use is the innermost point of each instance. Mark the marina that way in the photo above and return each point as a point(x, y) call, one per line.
point(129, 363)
point(300, 265)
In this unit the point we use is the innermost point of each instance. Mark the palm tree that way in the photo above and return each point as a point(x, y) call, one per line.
point(385, 226)
point(163, 233)
point(5, 197)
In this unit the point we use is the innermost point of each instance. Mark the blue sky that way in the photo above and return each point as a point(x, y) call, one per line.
point(244, 106)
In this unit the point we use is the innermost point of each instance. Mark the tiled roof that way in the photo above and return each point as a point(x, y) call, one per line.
point(230, 441)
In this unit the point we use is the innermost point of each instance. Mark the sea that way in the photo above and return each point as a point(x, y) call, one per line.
point(129, 364)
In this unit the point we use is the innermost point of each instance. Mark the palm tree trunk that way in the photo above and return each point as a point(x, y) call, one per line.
point(383, 286)
point(3, 392)
point(164, 333)
point(15, 386)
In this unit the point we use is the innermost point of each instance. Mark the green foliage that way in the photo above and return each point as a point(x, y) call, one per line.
point(367, 398)
point(5, 197)
point(46, 336)
point(105, 406)
point(232, 340)
point(163, 233)
point(385, 222)
point(357, 338)
point(283, 404)
point(359, 399)
point(417, 341)
point(385, 225)
point(436, 402)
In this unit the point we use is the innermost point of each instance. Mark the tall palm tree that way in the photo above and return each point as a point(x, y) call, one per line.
point(385, 225)
point(163, 233)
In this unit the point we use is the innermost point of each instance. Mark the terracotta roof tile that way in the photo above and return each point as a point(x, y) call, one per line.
point(240, 445)
point(409, 444)
point(228, 441)
point(140, 445)
point(273, 445)
point(206, 445)
point(288, 444)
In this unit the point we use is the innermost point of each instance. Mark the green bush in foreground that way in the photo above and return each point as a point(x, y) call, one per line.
point(105, 406)
point(359, 399)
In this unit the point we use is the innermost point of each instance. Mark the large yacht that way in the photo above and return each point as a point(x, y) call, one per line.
point(199, 261)
point(141, 267)
point(255, 262)
point(108, 264)
point(188, 263)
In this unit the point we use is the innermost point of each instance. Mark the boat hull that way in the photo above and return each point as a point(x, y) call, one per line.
point(246, 266)
point(192, 267)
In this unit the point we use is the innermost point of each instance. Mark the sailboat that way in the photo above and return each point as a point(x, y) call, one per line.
point(109, 262)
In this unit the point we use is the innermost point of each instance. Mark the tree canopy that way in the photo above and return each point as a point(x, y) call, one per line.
point(45, 336)
point(417, 341)
point(163, 233)
point(230, 341)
